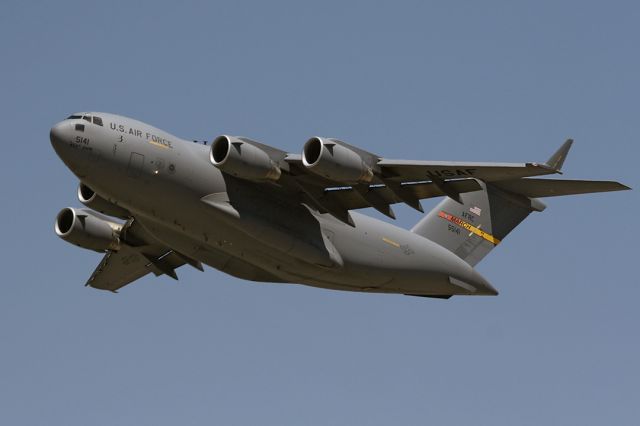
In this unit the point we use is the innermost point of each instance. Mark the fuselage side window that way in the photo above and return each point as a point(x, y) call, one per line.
point(80, 127)
point(97, 120)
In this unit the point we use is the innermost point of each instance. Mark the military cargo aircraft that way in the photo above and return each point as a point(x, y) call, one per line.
point(155, 202)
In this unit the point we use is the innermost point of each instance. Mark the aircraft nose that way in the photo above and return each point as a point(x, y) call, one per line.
point(57, 135)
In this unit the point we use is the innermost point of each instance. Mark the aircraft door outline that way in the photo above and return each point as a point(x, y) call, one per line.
point(136, 165)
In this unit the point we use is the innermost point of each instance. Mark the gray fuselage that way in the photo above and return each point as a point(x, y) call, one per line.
point(170, 186)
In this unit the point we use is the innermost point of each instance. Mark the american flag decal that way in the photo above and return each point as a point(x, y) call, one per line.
point(476, 210)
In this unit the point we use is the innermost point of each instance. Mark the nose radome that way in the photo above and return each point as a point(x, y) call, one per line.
point(57, 134)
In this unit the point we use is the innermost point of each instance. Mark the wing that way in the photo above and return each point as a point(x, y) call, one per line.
point(441, 170)
point(405, 170)
point(350, 178)
point(404, 181)
point(139, 254)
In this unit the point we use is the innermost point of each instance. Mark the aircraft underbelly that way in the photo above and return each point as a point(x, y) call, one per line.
point(374, 256)
point(368, 267)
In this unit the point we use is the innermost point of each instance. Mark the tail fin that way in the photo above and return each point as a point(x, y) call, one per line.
point(473, 227)
point(471, 224)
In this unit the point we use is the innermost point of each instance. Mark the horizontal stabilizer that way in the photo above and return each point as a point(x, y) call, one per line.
point(538, 188)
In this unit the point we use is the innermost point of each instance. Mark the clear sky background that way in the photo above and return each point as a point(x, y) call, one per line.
point(475, 81)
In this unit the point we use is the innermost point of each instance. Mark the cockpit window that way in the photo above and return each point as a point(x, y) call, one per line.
point(73, 117)
point(87, 117)
point(97, 120)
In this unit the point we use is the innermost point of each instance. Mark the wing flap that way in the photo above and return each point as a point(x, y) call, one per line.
point(349, 199)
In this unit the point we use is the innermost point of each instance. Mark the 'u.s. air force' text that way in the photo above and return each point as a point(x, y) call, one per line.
point(150, 137)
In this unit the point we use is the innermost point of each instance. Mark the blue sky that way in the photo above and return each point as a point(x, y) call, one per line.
point(477, 81)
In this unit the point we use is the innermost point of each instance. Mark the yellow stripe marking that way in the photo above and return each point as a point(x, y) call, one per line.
point(391, 242)
point(158, 144)
point(469, 227)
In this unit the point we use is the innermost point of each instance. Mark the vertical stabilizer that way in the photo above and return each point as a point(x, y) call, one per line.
point(473, 227)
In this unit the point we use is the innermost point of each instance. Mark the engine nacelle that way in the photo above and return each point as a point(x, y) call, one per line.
point(331, 159)
point(86, 229)
point(89, 198)
point(240, 158)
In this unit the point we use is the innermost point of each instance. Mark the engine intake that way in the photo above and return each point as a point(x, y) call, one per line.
point(331, 159)
point(91, 199)
point(86, 229)
point(240, 158)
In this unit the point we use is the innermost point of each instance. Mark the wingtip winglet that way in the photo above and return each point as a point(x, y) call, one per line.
point(624, 187)
point(557, 159)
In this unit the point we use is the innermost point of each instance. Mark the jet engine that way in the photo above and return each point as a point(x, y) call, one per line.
point(87, 229)
point(89, 198)
point(241, 158)
point(336, 161)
